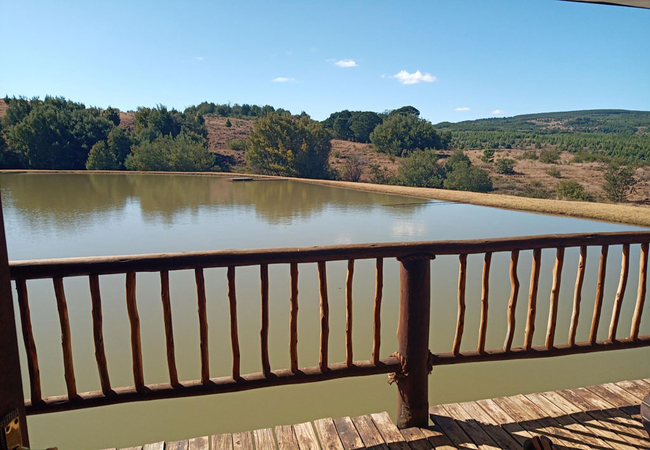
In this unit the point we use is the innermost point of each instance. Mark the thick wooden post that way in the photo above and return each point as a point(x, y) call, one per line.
point(11, 385)
point(413, 341)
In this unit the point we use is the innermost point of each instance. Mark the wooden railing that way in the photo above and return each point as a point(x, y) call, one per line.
point(413, 357)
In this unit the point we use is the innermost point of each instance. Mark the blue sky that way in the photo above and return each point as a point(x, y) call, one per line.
point(478, 58)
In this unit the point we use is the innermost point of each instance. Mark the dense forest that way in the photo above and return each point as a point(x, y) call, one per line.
point(56, 133)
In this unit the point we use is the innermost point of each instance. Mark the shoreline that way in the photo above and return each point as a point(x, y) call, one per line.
point(616, 213)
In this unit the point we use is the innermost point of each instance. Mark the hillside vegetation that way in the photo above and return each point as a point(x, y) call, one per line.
point(596, 155)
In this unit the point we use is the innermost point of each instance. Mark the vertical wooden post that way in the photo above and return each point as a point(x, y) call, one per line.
point(11, 385)
point(413, 341)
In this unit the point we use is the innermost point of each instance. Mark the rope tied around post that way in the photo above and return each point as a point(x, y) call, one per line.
point(394, 377)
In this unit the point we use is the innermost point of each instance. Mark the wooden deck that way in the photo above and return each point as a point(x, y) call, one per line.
point(596, 417)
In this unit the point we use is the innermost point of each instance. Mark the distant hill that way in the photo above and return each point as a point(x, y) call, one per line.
point(605, 121)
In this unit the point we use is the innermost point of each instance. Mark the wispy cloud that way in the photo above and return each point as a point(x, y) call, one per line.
point(200, 58)
point(462, 109)
point(346, 63)
point(283, 80)
point(498, 112)
point(416, 77)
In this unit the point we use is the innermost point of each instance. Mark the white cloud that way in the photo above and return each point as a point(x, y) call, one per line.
point(283, 80)
point(414, 78)
point(200, 58)
point(346, 63)
point(498, 112)
point(462, 109)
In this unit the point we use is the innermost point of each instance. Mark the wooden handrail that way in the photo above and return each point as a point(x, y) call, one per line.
point(105, 265)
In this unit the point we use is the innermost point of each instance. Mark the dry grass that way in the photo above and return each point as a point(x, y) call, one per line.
point(343, 150)
point(3, 108)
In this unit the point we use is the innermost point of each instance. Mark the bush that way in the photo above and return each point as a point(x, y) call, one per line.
point(554, 172)
point(237, 144)
point(619, 181)
point(101, 157)
point(456, 158)
point(421, 169)
point(400, 133)
point(572, 190)
point(336, 154)
point(380, 175)
point(228, 124)
point(466, 177)
point(180, 154)
point(549, 156)
point(289, 146)
point(488, 156)
point(528, 155)
point(535, 190)
point(505, 166)
point(352, 169)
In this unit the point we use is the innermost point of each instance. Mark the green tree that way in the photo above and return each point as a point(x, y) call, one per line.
point(456, 158)
point(421, 169)
point(228, 124)
point(102, 158)
point(400, 133)
point(289, 146)
point(572, 190)
point(488, 156)
point(362, 124)
point(405, 111)
point(505, 166)
point(180, 154)
point(619, 181)
point(119, 142)
point(466, 177)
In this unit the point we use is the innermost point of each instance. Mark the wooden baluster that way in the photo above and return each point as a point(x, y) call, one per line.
point(532, 298)
point(264, 332)
point(203, 325)
point(234, 335)
point(640, 299)
point(555, 297)
point(460, 324)
point(348, 313)
point(98, 334)
point(512, 303)
point(485, 293)
point(134, 320)
point(620, 292)
point(66, 340)
point(379, 287)
point(30, 344)
point(169, 330)
point(324, 316)
point(600, 292)
point(293, 322)
point(577, 296)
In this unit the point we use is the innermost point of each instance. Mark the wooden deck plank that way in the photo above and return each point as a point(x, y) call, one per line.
point(416, 439)
point(286, 438)
point(567, 421)
point(369, 433)
point(154, 446)
point(437, 438)
point(450, 428)
point(178, 445)
point(131, 448)
point(602, 430)
point(264, 439)
point(242, 441)
point(327, 434)
point(306, 436)
point(348, 433)
point(389, 431)
point(637, 388)
point(620, 398)
point(507, 439)
point(222, 442)
point(199, 443)
point(473, 428)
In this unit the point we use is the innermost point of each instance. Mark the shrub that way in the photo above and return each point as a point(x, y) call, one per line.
point(466, 177)
point(101, 157)
point(421, 169)
point(488, 155)
point(528, 155)
point(400, 133)
point(554, 172)
point(289, 146)
point(237, 144)
point(228, 124)
point(505, 166)
point(619, 181)
point(585, 157)
point(549, 156)
point(572, 190)
point(182, 154)
point(336, 154)
point(352, 169)
point(535, 190)
point(380, 175)
point(456, 158)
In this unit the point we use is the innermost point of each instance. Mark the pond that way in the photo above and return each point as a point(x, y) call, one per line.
point(65, 215)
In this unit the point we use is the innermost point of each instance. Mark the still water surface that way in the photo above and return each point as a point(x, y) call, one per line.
point(51, 216)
